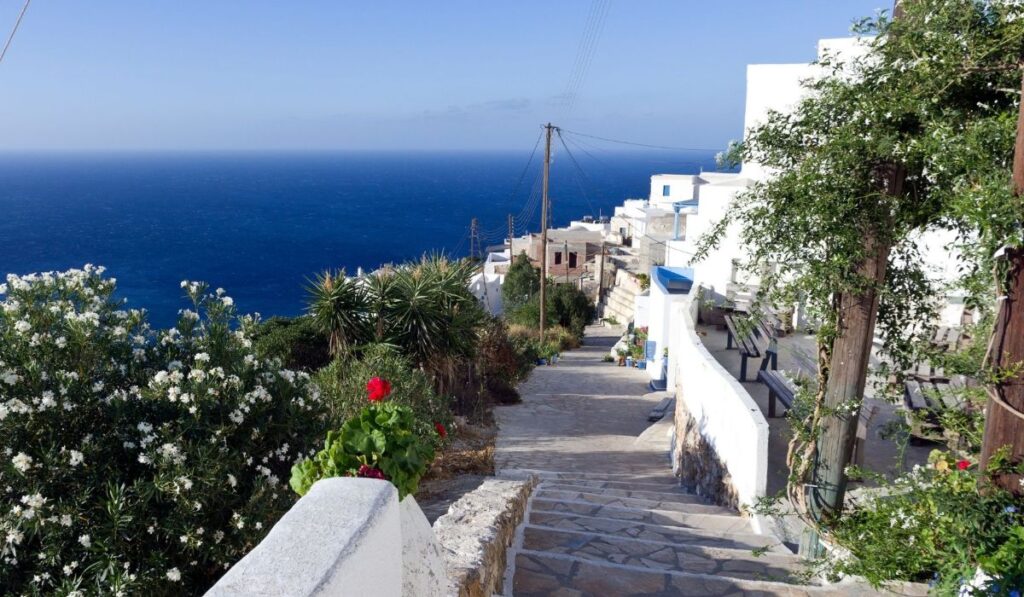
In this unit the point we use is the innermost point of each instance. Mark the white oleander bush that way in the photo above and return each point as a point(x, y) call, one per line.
point(134, 460)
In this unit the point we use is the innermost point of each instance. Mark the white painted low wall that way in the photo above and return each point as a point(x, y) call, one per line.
point(729, 419)
point(347, 536)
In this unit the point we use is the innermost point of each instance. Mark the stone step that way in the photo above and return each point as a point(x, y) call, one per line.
point(654, 532)
point(621, 480)
point(661, 556)
point(539, 574)
point(678, 496)
point(706, 522)
point(694, 505)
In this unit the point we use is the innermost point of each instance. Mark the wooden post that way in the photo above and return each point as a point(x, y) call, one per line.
point(544, 229)
point(851, 351)
point(1004, 415)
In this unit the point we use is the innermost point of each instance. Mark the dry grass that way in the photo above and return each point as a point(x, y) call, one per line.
point(471, 452)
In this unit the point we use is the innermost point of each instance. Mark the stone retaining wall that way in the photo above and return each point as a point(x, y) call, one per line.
point(476, 532)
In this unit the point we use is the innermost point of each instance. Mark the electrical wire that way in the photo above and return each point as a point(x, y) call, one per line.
point(635, 144)
point(17, 23)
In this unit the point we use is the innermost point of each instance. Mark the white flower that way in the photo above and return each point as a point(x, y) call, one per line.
point(22, 462)
point(22, 326)
point(36, 500)
point(173, 575)
point(85, 541)
point(76, 458)
point(202, 358)
point(11, 378)
point(61, 342)
point(144, 427)
point(65, 520)
point(227, 300)
point(232, 481)
point(14, 537)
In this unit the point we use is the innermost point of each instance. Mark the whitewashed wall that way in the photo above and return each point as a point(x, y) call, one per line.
point(347, 536)
point(729, 419)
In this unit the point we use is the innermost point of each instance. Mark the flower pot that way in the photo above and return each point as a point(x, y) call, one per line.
point(629, 361)
point(621, 361)
point(641, 364)
point(542, 361)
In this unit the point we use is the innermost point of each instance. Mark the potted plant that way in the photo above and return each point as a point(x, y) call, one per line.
point(622, 353)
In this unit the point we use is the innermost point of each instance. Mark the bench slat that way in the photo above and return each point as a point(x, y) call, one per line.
point(914, 397)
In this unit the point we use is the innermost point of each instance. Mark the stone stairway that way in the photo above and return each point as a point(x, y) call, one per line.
point(619, 303)
point(608, 535)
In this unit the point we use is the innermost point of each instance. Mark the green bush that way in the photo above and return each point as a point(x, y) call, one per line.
point(935, 524)
point(135, 461)
point(522, 282)
point(298, 342)
point(567, 306)
point(343, 388)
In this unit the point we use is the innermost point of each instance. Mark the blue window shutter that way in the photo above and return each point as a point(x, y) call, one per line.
point(666, 190)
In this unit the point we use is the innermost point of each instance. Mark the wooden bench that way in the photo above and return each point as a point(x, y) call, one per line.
point(926, 398)
point(755, 341)
point(782, 389)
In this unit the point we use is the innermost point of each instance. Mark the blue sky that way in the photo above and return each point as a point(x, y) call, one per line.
point(333, 74)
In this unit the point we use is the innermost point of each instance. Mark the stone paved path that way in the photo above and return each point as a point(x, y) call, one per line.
point(608, 518)
point(580, 415)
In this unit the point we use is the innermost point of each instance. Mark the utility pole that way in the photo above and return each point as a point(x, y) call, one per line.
point(1004, 414)
point(600, 280)
point(544, 228)
point(474, 238)
point(565, 256)
point(851, 351)
point(511, 233)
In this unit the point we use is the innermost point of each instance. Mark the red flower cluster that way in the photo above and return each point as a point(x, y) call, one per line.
point(441, 430)
point(378, 389)
point(370, 472)
point(963, 464)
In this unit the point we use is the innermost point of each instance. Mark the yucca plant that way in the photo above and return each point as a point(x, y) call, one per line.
point(339, 307)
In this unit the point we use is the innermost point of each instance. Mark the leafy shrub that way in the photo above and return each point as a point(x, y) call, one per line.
point(136, 461)
point(934, 524)
point(298, 342)
point(380, 442)
point(522, 282)
point(343, 385)
point(567, 306)
point(500, 363)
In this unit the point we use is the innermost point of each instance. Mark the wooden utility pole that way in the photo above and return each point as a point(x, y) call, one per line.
point(565, 256)
point(857, 312)
point(1004, 415)
point(600, 281)
point(544, 228)
point(474, 238)
point(511, 233)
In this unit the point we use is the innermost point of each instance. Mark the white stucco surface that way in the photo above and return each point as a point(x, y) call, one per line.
point(729, 419)
point(347, 536)
point(341, 538)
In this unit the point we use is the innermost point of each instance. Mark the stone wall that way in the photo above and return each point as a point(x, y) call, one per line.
point(476, 532)
point(697, 464)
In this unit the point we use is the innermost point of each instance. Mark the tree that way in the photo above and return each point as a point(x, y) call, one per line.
point(884, 146)
point(521, 282)
point(338, 306)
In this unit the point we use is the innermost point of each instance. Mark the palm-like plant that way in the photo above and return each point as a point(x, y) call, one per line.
point(338, 305)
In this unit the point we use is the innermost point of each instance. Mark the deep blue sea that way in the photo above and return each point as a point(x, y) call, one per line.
point(259, 224)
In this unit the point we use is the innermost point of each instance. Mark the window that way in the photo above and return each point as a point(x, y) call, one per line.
point(666, 190)
point(572, 259)
point(558, 257)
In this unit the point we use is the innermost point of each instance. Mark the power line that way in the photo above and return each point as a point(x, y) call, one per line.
point(10, 37)
point(579, 168)
point(648, 145)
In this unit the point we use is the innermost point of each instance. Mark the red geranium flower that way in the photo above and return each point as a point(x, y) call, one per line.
point(441, 430)
point(378, 389)
point(370, 472)
point(963, 464)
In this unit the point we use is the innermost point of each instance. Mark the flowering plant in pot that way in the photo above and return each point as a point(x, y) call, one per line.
point(378, 443)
